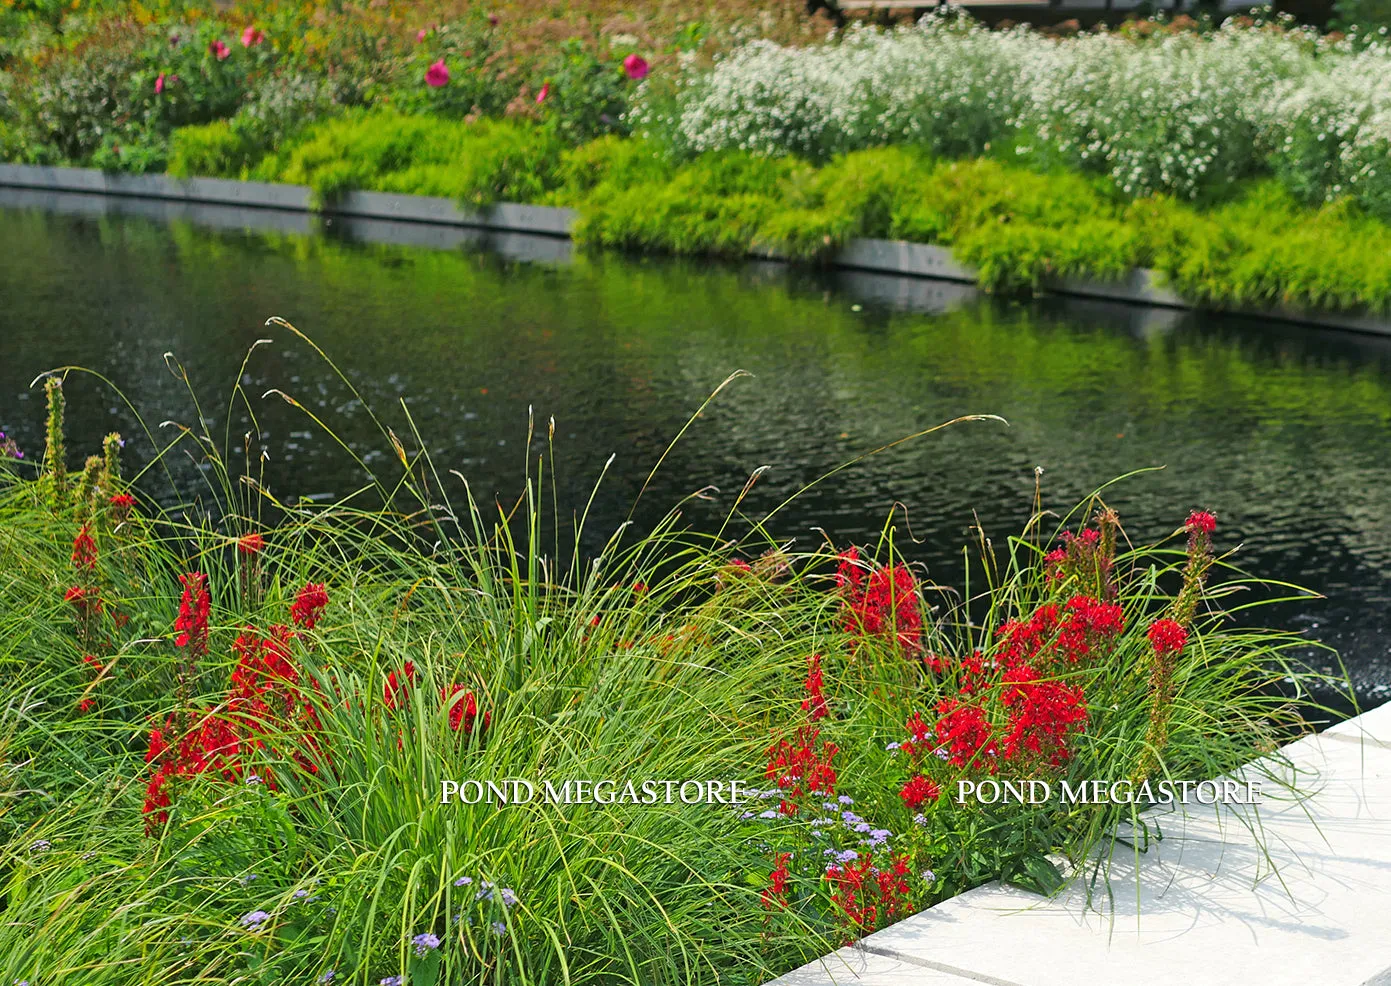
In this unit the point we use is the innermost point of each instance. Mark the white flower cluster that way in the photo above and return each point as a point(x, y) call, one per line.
point(1330, 131)
point(1178, 113)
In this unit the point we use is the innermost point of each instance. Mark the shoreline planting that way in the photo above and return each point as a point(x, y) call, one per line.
point(226, 738)
point(1249, 163)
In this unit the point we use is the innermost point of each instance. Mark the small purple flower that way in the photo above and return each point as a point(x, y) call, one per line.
point(919, 819)
point(244, 880)
point(845, 799)
point(929, 876)
point(485, 891)
point(770, 813)
point(463, 881)
point(509, 897)
point(425, 943)
point(253, 780)
point(499, 927)
point(745, 816)
point(847, 856)
point(942, 753)
point(43, 845)
point(300, 894)
point(829, 805)
point(850, 819)
point(328, 976)
point(892, 747)
point(254, 920)
point(390, 981)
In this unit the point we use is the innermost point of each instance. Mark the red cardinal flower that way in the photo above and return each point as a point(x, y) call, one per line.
point(309, 605)
point(917, 790)
point(1201, 520)
point(398, 686)
point(84, 551)
point(463, 713)
point(1167, 637)
point(251, 544)
point(192, 622)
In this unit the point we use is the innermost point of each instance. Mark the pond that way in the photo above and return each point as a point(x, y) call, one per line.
point(1280, 430)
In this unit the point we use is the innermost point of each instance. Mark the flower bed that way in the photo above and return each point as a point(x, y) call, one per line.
point(226, 739)
point(1247, 164)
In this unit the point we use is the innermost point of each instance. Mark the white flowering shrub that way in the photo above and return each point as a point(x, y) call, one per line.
point(1331, 131)
point(949, 86)
point(1180, 114)
point(1177, 113)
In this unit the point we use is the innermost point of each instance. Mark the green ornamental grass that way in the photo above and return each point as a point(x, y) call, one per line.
point(228, 722)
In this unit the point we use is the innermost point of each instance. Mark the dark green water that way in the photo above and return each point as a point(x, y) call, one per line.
point(1281, 431)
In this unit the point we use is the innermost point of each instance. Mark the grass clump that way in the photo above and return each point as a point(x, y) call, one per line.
point(226, 739)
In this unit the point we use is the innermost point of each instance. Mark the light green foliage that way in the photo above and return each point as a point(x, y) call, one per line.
point(476, 163)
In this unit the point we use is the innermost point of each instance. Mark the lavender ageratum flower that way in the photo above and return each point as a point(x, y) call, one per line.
point(829, 805)
point(942, 753)
point(43, 845)
point(300, 894)
point(328, 976)
point(862, 827)
point(390, 981)
point(847, 856)
point(499, 927)
point(254, 920)
point(463, 881)
point(485, 891)
point(850, 819)
point(881, 835)
point(425, 943)
point(818, 822)
point(770, 813)
point(244, 880)
point(919, 819)
point(845, 799)
point(253, 780)
point(745, 816)
point(892, 747)
point(509, 897)
point(929, 876)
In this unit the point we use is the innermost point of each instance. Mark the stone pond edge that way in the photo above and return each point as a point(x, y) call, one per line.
point(1141, 286)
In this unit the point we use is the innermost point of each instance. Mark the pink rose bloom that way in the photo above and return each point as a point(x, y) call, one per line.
point(492, 20)
point(219, 50)
point(636, 66)
point(437, 74)
point(545, 91)
point(421, 35)
point(251, 36)
point(159, 84)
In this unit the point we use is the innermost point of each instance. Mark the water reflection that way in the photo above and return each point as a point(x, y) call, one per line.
point(1280, 430)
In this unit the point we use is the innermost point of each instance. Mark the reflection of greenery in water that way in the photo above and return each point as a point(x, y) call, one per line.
point(1274, 429)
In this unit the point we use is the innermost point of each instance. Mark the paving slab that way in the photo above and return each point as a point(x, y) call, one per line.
point(857, 967)
point(1306, 903)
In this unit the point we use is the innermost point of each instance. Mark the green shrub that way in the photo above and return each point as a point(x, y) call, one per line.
point(213, 150)
point(476, 163)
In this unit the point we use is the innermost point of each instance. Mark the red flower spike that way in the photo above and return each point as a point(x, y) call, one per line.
point(84, 551)
point(251, 544)
point(194, 606)
point(309, 605)
point(917, 790)
point(1167, 637)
